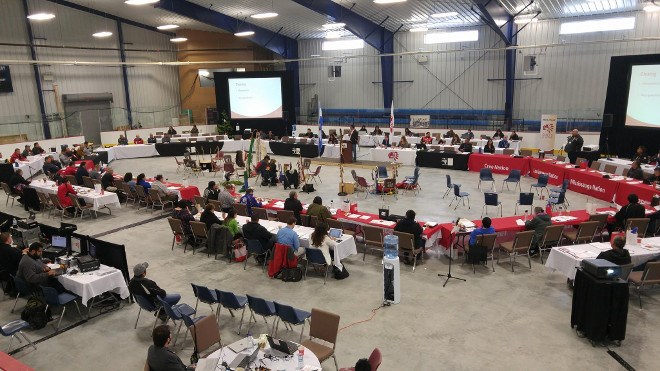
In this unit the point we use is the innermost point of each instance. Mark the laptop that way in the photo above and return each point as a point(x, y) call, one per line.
point(335, 232)
point(281, 345)
point(240, 345)
point(243, 360)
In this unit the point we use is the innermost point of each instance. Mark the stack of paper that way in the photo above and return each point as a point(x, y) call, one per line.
point(520, 222)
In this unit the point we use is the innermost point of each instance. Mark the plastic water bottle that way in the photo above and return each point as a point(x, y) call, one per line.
point(250, 340)
point(391, 246)
point(15, 223)
point(301, 354)
point(332, 204)
point(526, 217)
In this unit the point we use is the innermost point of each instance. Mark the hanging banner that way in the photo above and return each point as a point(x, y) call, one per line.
point(420, 121)
point(548, 132)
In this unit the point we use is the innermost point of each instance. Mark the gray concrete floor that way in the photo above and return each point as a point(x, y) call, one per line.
point(501, 320)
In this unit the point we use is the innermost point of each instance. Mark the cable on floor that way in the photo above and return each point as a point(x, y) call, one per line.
point(373, 314)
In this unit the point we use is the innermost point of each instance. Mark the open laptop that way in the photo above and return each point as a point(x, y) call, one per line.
point(240, 345)
point(281, 345)
point(335, 232)
point(243, 360)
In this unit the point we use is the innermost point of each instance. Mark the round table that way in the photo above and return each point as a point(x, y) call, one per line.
point(227, 355)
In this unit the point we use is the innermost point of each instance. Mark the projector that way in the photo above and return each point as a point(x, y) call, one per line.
point(601, 268)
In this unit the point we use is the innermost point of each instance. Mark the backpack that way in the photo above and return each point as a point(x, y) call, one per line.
point(340, 274)
point(291, 274)
point(35, 313)
point(308, 188)
point(477, 254)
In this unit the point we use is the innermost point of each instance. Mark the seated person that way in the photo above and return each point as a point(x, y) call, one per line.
point(226, 199)
point(293, 204)
point(409, 225)
point(504, 143)
point(65, 159)
point(449, 134)
point(386, 141)
point(81, 172)
point(252, 230)
point(333, 139)
point(270, 174)
point(231, 223)
point(167, 138)
point(635, 171)
point(141, 180)
point(618, 255)
point(489, 147)
point(50, 167)
point(322, 241)
point(468, 135)
point(122, 141)
point(108, 180)
point(239, 159)
point(171, 131)
point(287, 236)
point(182, 212)
point(159, 356)
point(17, 156)
point(17, 182)
point(403, 143)
point(407, 132)
point(309, 133)
point(64, 189)
point(194, 131)
point(151, 139)
point(208, 216)
point(69, 170)
point(10, 256)
point(484, 229)
point(455, 140)
point(466, 146)
point(32, 269)
point(641, 156)
point(138, 140)
point(165, 193)
point(128, 179)
point(141, 285)
point(212, 191)
point(427, 138)
point(27, 151)
point(514, 136)
point(364, 129)
point(633, 210)
point(538, 224)
point(37, 149)
point(250, 201)
point(377, 131)
point(96, 172)
point(498, 134)
point(270, 135)
point(262, 166)
point(317, 209)
point(656, 176)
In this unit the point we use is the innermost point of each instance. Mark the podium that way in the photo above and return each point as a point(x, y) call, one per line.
point(346, 152)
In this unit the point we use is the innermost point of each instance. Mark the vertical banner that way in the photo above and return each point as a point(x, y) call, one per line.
point(392, 120)
point(548, 132)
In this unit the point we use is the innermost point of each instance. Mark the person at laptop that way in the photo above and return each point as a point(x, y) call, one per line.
point(159, 355)
point(287, 236)
point(618, 255)
point(322, 241)
point(141, 285)
point(33, 270)
point(409, 225)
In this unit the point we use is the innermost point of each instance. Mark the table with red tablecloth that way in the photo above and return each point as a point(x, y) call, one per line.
point(186, 192)
point(591, 183)
point(499, 164)
point(554, 169)
point(645, 192)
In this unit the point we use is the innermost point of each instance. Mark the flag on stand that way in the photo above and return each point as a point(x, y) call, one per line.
point(320, 143)
point(392, 120)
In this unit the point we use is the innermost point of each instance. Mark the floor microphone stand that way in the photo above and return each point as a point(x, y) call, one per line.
point(448, 275)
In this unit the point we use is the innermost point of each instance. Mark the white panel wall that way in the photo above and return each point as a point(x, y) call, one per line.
point(574, 77)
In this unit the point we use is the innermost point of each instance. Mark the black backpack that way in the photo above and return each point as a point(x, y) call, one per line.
point(340, 274)
point(35, 313)
point(477, 254)
point(291, 274)
point(308, 188)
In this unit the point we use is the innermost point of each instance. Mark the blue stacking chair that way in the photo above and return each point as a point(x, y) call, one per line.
point(15, 327)
point(176, 313)
point(558, 199)
point(292, 316)
point(412, 182)
point(145, 304)
point(458, 195)
point(514, 177)
point(564, 187)
point(254, 247)
point(486, 175)
point(232, 301)
point(207, 296)
point(450, 185)
point(316, 258)
point(541, 184)
point(262, 307)
point(525, 199)
point(382, 172)
point(22, 289)
point(491, 199)
point(55, 299)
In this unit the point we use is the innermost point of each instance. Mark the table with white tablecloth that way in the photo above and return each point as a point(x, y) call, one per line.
point(32, 166)
point(90, 196)
point(404, 156)
point(622, 165)
point(91, 284)
point(129, 151)
point(331, 151)
point(566, 259)
point(278, 362)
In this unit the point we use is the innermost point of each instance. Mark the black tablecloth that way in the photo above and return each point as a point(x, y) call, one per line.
point(286, 149)
point(178, 149)
point(600, 307)
point(458, 161)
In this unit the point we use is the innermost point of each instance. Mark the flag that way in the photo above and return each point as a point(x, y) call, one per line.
point(392, 120)
point(320, 143)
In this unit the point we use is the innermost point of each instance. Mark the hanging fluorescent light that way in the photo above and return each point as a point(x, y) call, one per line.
point(330, 26)
point(343, 44)
point(388, 1)
point(264, 15)
point(41, 16)
point(525, 20)
point(597, 25)
point(204, 73)
point(451, 37)
point(167, 27)
point(140, 2)
point(333, 35)
point(102, 34)
point(500, 22)
point(178, 39)
point(444, 15)
point(244, 33)
point(651, 8)
point(419, 29)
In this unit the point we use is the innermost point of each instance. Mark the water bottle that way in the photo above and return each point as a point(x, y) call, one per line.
point(391, 246)
point(250, 340)
point(480, 150)
point(332, 204)
point(526, 217)
point(301, 354)
point(15, 223)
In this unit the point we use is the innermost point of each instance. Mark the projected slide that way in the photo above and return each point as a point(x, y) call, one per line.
point(255, 98)
point(644, 97)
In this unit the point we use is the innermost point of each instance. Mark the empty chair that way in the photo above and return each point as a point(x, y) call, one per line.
point(564, 187)
point(584, 233)
point(354, 175)
point(262, 307)
point(284, 215)
point(551, 237)
point(177, 232)
point(373, 239)
point(323, 326)
point(128, 193)
point(314, 175)
point(45, 203)
point(200, 200)
point(412, 182)
point(381, 172)
point(241, 209)
point(561, 158)
point(580, 160)
point(595, 165)
point(609, 168)
point(649, 277)
point(260, 212)
point(15, 327)
point(80, 208)
point(626, 269)
point(206, 296)
point(142, 196)
point(602, 220)
point(22, 289)
point(508, 151)
point(520, 245)
point(176, 313)
point(9, 193)
point(491, 199)
point(232, 302)
point(641, 224)
point(450, 185)
point(365, 186)
point(514, 177)
point(200, 234)
point(145, 304)
point(389, 188)
point(486, 175)
point(87, 182)
point(315, 257)
point(458, 195)
point(558, 199)
point(541, 184)
point(525, 199)
point(526, 152)
point(291, 316)
point(55, 299)
point(204, 331)
point(256, 249)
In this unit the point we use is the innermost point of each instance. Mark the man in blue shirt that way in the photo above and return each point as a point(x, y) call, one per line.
point(287, 236)
point(503, 143)
point(249, 201)
point(484, 229)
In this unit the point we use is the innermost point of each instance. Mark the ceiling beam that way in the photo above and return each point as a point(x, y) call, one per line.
point(491, 10)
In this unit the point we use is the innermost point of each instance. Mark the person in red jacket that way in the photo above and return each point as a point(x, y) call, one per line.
point(63, 191)
point(16, 156)
point(69, 170)
point(138, 140)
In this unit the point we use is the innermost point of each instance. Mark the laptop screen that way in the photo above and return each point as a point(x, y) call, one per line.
point(335, 232)
point(59, 241)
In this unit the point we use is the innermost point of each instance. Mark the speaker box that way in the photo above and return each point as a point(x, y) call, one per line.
point(608, 119)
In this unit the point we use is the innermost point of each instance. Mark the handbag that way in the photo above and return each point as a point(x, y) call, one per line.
point(240, 251)
point(384, 212)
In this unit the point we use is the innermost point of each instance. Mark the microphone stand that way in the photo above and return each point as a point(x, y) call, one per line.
point(448, 275)
point(341, 169)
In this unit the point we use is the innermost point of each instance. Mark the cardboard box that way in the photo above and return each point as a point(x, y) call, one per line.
point(349, 188)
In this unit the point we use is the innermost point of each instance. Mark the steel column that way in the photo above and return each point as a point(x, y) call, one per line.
point(124, 72)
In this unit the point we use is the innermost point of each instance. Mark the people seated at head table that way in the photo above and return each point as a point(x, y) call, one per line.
point(293, 204)
point(403, 142)
point(364, 129)
point(377, 131)
point(51, 167)
point(449, 134)
point(165, 193)
point(141, 285)
point(468, 135)
point(17, 156)
point(386, 141)
point(270, 135)
point(618, 255)
point(16, 182)
point(171, 131)
point(486, 228)
point(410, 225)
point(194, 130)
point(466, 146)
point(333, 139)
point(538, 224)
point(212, 191)
point(427, 138)
point(81, 172)
point(128, 179)
point(320, 239)
point(141, 180)
point(122, 141)
point(504, 143)
point(455, 140)
point(226, 199)
point(514, 136)
point(208, 216)
point(108, 180)
point(36, 149)
point(35, 272)
point(309, 133)
point(498, 134)
point(151, 139)
point(641, 156)
point(138, 140)
point(633, 210)
point(635, 171)
point(317, 209)
point(182, 212)
point(27, 151)
point(252, 230)
point(250, 201)
point(489, 147)
point(287, 236)
point(408, 133)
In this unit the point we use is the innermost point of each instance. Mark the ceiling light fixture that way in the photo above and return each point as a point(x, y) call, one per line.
point(451, 37)
point(500, 22)
point(597, 25)
point(167, 27)
point(333, 35)
point(140, 2)
point(343, 44)
point(444, 15)
point(388, 1)
point(264, 15)
point(204, 73)
point(178, 39)
point(102, 34)
point(244, 33)
point(41, 16)
point(330, 26)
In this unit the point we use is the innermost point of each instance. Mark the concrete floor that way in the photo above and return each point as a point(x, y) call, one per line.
point(501, 320)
